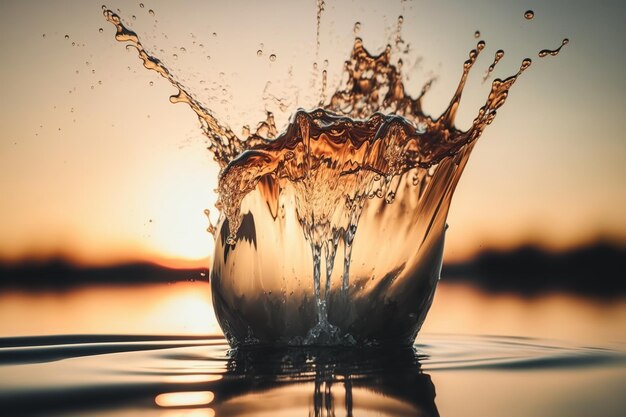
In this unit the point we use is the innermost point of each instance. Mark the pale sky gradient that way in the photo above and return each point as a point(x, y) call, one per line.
point(96, 164)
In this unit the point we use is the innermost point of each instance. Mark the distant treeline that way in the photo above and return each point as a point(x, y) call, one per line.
point(596, 270)
point(60, 274)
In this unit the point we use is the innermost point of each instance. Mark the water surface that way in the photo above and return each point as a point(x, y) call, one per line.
point(117, 375)
point(156, 350)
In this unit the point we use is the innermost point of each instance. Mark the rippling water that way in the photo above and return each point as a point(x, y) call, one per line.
point(100, 351)
point(114, 375)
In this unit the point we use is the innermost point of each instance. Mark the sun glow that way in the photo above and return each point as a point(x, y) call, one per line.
point(194, 313)
point(177, 200)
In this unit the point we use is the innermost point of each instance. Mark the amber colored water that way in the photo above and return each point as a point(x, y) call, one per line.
point(365, 167)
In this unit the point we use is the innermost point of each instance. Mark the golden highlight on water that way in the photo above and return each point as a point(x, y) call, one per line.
point(367, 175)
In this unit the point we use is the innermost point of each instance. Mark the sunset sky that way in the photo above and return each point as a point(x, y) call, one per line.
point(97, 165)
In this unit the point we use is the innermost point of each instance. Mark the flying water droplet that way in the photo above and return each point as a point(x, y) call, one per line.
point(273, 57)
point(529, 15)
point(498, 56)
point(553, 52)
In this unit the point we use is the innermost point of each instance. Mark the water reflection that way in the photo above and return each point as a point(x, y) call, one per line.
point(206, 378)
point(184, 399)
point(335, 381)
point(184, 309)
point(116, 375)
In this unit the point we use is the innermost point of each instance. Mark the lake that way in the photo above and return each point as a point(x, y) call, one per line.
point(156, 349)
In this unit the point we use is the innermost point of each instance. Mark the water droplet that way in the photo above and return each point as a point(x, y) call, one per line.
point(151, 83)
point(141, 5)
point(133, 17)
point(477, 34)
point(175, 56)
point(67, 36)
point(357, 27)
point(214, 34)
point(100, 30)
point(400, 19)
point(151, 12)
point(273, 57)
point(259, 52)
point(529, 14)
point(183, 49)
point(553, 52)
point(73, 43)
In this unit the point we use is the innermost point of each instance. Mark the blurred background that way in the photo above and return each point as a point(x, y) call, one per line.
point(104, 182)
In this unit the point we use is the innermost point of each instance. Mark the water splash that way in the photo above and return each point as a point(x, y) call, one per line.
point(496, 59)
point(223, 143)
point(321, 4)
point(368, 160)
